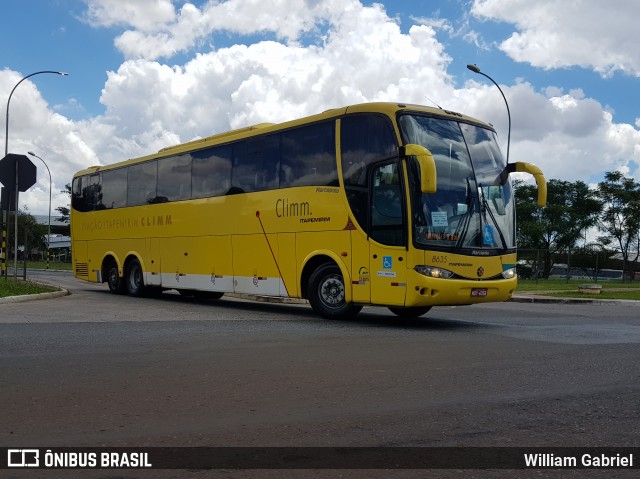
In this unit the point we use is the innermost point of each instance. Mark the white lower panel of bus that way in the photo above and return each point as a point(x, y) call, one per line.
point(197, 281)
point(228, 284)
point(259, 285)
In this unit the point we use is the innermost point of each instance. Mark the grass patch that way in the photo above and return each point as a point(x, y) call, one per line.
point(12, 287)
point(560, 288)
point(562, 285)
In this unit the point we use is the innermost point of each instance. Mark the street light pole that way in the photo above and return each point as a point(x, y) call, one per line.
point(6, 152)
point(475, 69)
point(49, 228)
point(6, 136)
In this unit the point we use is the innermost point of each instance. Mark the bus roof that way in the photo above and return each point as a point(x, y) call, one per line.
point(388, 108)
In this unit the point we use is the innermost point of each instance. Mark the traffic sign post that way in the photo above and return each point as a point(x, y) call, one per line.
point(3, 240)
point(17, 173)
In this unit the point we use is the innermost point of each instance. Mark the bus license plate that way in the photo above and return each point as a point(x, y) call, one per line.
point(478, 292)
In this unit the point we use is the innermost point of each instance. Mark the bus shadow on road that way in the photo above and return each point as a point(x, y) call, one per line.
point(428, 322)
point(369, 317)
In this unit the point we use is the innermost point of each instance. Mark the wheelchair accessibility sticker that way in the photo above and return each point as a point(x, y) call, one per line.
point(487, 237)
point(387, 262)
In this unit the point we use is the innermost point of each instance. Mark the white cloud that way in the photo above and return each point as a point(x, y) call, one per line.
point(168, 34)
point(557, 34)
point(364, 57)
point(145, 15)
point(437, 24)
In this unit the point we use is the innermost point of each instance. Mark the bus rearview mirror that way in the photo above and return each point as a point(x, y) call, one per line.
point(536, 172)
point(428, 176)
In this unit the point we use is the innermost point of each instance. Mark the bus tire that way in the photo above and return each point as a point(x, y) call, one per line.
point(134, 279)
point(326, 293)
point(410, 312)
point(115, 282)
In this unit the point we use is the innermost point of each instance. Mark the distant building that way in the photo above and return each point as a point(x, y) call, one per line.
point(57, 226)
point(60, 241)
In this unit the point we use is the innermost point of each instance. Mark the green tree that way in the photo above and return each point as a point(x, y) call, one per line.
point(620, 220)
point(571, 209)
point(65, 213)
point(30, 230)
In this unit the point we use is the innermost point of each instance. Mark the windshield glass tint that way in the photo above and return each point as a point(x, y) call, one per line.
point(472, 208)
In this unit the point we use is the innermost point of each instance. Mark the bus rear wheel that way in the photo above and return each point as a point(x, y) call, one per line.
point(327, 293)
point(115, 282)
point(410, 312)
point(134, 278)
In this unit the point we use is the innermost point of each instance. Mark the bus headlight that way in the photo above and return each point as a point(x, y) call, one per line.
point(433, 272)
point(509, 273)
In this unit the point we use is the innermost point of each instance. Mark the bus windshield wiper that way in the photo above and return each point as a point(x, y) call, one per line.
point(486, 207)
point(463, 226)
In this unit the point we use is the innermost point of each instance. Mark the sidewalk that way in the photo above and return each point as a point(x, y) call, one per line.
point(542, 297)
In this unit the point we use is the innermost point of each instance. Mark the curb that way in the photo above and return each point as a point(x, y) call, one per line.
point(552, 300)
point(33, 297)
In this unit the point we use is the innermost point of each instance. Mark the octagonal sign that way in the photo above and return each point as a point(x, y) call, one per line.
point(26, 172)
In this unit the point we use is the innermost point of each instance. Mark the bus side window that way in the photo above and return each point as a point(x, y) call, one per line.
point(211, 171)
point(114, 188)
point(309, 156)
point(86, 193)
point(142, 183)
point(365, 139)
point(78, 202)
point(174, 178)
point(255, 164)
point(241, 174)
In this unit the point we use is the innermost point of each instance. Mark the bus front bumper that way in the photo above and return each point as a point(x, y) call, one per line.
point(425, 291)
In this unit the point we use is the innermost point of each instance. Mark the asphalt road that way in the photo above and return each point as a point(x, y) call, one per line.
point(94, 369)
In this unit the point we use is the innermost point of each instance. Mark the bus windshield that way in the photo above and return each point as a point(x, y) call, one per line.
point(473, 206)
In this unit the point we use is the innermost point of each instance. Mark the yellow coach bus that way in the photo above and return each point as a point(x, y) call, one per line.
point(388, 204)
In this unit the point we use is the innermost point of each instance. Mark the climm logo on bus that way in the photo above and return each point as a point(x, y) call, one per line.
point(301, 210)
point(287, 209)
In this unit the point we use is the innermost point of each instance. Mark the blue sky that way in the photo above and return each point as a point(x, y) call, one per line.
point(145, 74)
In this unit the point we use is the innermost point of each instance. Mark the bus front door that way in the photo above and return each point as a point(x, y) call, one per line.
point(387, 252)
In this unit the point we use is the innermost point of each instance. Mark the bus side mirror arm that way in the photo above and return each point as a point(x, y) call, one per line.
point(428, 175)
point(537, 174)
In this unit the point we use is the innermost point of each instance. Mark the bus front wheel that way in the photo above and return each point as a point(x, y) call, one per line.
point(134, 278)
point(327, 293)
